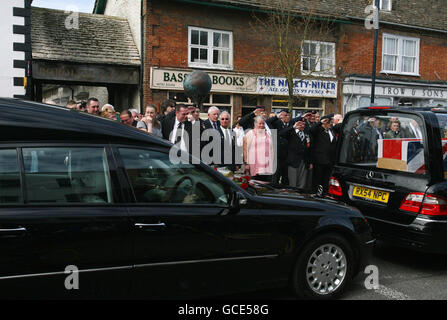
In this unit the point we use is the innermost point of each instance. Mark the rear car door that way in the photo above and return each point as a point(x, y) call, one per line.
point(59, 217)
point(383, 161)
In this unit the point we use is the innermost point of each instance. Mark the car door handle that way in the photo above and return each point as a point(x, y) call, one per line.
point(149, 225)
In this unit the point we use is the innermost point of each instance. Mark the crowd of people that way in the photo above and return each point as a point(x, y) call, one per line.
point(298, 152)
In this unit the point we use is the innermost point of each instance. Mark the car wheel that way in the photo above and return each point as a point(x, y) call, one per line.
point(323, 268)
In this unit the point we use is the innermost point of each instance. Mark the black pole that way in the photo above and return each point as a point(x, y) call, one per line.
point(376, 34)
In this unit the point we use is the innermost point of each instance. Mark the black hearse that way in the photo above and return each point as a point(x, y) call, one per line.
point(391, 164)
point(93, 208)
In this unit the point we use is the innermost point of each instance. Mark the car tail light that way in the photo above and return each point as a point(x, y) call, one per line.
point(372, 108)
point(434, 206)
point(412, 202)
point(430, 205)
point(335, 187)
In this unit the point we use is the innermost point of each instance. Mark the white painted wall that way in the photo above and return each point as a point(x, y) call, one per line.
point(131, 10)
point(7, 55)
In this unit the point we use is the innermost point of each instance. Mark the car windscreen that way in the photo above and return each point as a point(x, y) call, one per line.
point(392, 141)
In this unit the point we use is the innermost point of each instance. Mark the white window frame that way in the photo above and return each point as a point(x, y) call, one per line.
point(317, 72)
point(383, 8)
point(400, 40)
point(209, 47)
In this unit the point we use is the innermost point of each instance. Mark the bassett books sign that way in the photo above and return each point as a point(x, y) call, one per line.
point(306, 88)
point(169, 79)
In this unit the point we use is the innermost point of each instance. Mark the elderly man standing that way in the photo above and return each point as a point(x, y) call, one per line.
point(213, 118)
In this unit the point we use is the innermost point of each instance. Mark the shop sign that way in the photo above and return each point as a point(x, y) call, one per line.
point(398, 91)
point(221, 82)
point(305, 88)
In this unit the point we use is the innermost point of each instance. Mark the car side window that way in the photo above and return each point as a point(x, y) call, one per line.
point(387, 141)
point(155, 179)
point(67, 175)
point(10, 190)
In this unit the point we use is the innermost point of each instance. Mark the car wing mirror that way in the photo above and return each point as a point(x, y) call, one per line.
point(241, 198)
point(237, 200)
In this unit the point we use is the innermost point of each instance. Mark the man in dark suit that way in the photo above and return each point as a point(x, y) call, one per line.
point(213, 118)
point(212, 123)
point(369, 133)
point(298, 158)
point(177, 129)
point(281, 122)
point(324, 142)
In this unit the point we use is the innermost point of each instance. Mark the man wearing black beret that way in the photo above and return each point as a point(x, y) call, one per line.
point(324, 138)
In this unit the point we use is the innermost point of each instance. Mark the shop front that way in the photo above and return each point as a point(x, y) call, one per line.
point(357, 92)
point(228, 91)
point(239, 94)
point(311, 94)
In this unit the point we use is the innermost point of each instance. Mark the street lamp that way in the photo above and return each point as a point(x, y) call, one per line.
point(376, 34)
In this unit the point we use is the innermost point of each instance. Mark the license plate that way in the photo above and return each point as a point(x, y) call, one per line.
point(371, 194)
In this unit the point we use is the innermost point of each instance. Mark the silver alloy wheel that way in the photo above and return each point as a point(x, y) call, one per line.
point(326, 269)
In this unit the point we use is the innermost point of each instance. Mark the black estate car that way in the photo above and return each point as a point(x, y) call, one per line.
point(90, 207)
point(391, 164)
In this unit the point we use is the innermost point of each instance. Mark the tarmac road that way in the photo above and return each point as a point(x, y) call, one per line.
point(403, 275)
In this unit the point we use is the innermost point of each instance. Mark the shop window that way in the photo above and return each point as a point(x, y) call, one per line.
point(222, 98)
point(315, 103)
point(300, 105)
point(210, 48)
point(222, 101)
point(249, 101)
point(179, 97)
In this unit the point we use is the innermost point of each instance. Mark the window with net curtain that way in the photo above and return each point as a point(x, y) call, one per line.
point(400, 54)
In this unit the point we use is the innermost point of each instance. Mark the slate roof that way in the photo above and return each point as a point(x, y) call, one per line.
point(99, 39)
point(419, 13)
